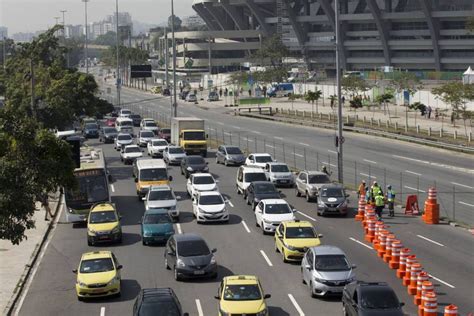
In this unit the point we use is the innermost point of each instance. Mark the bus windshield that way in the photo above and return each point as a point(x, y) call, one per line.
point(91, 188)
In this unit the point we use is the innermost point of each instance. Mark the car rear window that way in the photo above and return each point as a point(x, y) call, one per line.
point(331, 263)
point(196, 160)
point(379, 298)
point(147, 134)
point(192, 248)
point(318, 178)
point(204, 180)
point(159, 307)
point(263, 159)
point(255, 176)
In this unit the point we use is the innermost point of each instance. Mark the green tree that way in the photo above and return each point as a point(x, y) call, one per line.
point(406, 81)
point(271, 55)
point(108, 39)
point(354, 85)
point(136, 56)
point(177, 22)
point(383, 98)
point(313, 96)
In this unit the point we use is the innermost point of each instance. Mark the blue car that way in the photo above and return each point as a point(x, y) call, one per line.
point(156, 226)
point(91, 130)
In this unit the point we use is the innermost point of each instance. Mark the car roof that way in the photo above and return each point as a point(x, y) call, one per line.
point(102, 207)
point(260, 154)
point(187, 236)
point(260, 182)
point(274, 163)
point(157, 139)
point(240, 279)
point(96, 255)
point(297, 223)
point(157, 211)
point(274, 201)
point(146, 131)
point(314, 172)
point(147, 119)
point(172, 146)
point(150, 163)
point(130, 146)
point(202, 174)
point(158, 294)
point(122, 134)
point(332, 186)
point(163, 187)
point(194, 156)
point(209, 193)
point(327, 250)
point(252, 169)
point(230, 146)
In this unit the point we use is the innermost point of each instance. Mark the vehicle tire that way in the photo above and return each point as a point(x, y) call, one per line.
point(284, 258)
point(225, 163)
point(176, 276)
point(119, 241)
point(143, 242)
point(319, 213)
point(248, 201)
point(186, 175)
point(217, 161)
point(80, 299)
point(139, 197)
point(89, 242)
point(254, 205)
point(167, 267)
point(118, 294)
point(181, 171)
point(204, 154)
point(311, 290)
point(276, 249)
point(298, 193)
point(238, 190)
point(344, 312)
point(308, 197)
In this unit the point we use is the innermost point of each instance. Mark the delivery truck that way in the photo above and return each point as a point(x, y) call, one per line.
point(189, 133)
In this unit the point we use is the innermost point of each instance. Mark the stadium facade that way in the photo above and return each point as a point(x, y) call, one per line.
point(405, 34)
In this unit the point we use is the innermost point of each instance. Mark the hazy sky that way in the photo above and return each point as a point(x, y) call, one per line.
point(33, 15)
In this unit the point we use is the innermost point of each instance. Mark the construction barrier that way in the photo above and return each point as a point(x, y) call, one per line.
point(431, 213)
point(430, 304)
point(404, 253)
point(414, 271)
point(370, 229)
point(369, 213)
point(411, 206)
point(388, 248)
point(379, 226)
point(422, 285)
point(411, 259)
point(382, 242)
point(361, 210)
point(451, 310)
point(396, 249)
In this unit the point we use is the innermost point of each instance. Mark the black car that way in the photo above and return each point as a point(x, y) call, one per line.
point(183, 94)
point(193, 164)
point(136, 118)
point(91, 130)
point(107, 134)
point(259, 190)
point(189, 256)
point(370, 298)
point(157, 302)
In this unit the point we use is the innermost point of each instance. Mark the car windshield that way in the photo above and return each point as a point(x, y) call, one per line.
point(300, 232)
point(245, 292)
point(263, 159)
point(160, 195)
point(157, 219)
point(176, 150)
point(234, 151)
point(132, 150)
point(255, 176)
point(96, 265)
point(196, 160)
point(204, 180)
point(194, 136)
point(108, 130)
point(318, 178)
point(159, 307)
point(377, 298)
point(124, 137)
point(158, 174)
point(135, 116)
point(126, 112)
point(277, 209)
point(192, 248)
point(159, 143)
point(211, 200)
point(126, 123)
point(331, 263)
point(150, 124)
point(280, 168)
point(332, 192)
point(92, 126)
point(147, 134)
point(264, 188)
point(165, 131)
point(102, 217)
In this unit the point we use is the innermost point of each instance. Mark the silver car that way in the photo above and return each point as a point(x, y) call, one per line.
point(309, 183)
point(326, 270)
point(122, 140)
point(173, 155)
point(279, 174)
point(229, 155)
point(162, 197)
point(332, 200)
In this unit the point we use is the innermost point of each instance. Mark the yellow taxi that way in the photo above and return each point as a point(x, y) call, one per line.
point(103, 224)
point(98, 275)
point(292, 238)
point(241, 295)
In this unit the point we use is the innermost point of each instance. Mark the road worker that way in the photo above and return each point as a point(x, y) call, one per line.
point(325, 170)
point(390, 197)
point(379, 205)
point(376, 189)
point(362, 189)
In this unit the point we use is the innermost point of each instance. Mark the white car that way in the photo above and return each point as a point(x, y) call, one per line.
point(156, 147)
point(199, 182)
point(123, 139)
point(144, 137)
point(210, 206)
point(279, 174)
point(162, 197)
point(259, 159)
point(144, 121)
point(173, 155)
point(125, 113)
point(150, 125)
point(130, 153)
point(269, 213)
point(191, 97)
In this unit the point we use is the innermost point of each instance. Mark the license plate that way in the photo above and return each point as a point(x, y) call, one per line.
point(284, 181)
point(158, 238)
point(199, 272)
point(103, 237)
point(97, 291)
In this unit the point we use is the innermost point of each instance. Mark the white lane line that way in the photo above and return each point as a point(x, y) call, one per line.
point(235, 126)
point(211, 129)
point(369, 176)
point(462, 185)
point(220, 123)
point(360, 243)
point(199, 307)
point(299, 155)
point(370, 161)
point(269, 146)
point(266, 258)
point(102, 311)
point(280, 138)
point(441, 281)
point(246, 227)
point(295, 304)
point(178, 226)
point(326, 163)
point(250, 140)
point(414, 189)
point(227, 133)
point(304, 144)
point(112, 188)
point(307, 216)
point(415, 173)
point(332, 151)
point(436, 164)
point(230, 203)
point(255, 132)
point(467, 204)
point(431, 240)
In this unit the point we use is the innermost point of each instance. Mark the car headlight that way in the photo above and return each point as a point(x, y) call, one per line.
point(321, 204)
point(146, 234)
point(113, 281)
point(319, 280)
point(313, 189)
point(223, 313)
point(116, 230)
point(180, 263)
point(213, 260)
point(267, 221)
point(92, 232)
point(262, 313)
point(189, 169)
point(289, 247)
point(351, 279)
point(205, 168)
point(81, 284)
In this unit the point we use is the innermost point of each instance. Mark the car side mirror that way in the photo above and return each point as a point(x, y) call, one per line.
point(217, 181)
point(136, 179)
point(217, 297)
point(279, 191)
point(144, 198)
point(207, 136)
point(207, 162)
point(307, 267)
point(402, 304)
point(170, 253)
point(347, 195)
point(320, 235)
point(186, 314)
point(74, 271)
point(354, 266)
point(170, 178)
point(214, 250)
point(304, 181)
point(119, 267)
point(267, 296)
point(294, 210)
point(178, 197)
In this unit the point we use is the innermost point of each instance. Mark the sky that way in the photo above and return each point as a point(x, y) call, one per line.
point(34, 15)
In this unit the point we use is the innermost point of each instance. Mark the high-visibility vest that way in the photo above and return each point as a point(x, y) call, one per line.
point(379, 200)
point(390, 195)
point(376, 190)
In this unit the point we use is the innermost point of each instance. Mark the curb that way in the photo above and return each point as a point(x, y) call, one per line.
point(10, 308)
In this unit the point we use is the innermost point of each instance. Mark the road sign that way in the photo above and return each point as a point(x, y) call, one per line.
point(140, 71)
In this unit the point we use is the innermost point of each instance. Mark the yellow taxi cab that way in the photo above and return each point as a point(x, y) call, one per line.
point(292, 238)
point(98, 275)
point(241, 295)
point(103, 224)
point(148, 172)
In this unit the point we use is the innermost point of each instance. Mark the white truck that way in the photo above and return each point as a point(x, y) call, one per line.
point(189, 133)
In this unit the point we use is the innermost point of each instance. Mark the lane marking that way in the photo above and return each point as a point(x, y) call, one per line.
point(415, 173)
point(295, 304)
point(235, 126)
point(307, 216)
point(414, 189)
point(304, 144)
point(467, 204)
point(269, 146)
point(178, 226)
point(211, 129)
point(266, 258)
point(112, 188)
point(250, 140)
point(102, 311)
point(227, 133)
point(360, 243)
point(462, 185)
point(276, 137)
point(369, 176)
point(370, 161)
point(255, 132)
point(441, 281)
point(220, 123)
point(245, 226)
point(436, 164)
point(299, 155)
point(431, 240)
point(199, 307)
point(330, 164)
point(332, 151)
point(230, 203)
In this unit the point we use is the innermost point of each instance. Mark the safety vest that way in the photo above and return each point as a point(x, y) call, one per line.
point(390, 195)
point(376, 190)
point(379, 200)
point(362, 189)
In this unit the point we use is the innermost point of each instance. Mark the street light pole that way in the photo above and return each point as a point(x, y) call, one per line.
point(118, 81)
point(174, 109)
point(64, 23)
point(87, 31)
point(339, 139)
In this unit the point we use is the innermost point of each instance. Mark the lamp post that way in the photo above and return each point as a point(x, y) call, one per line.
point(174, 105)
point(339, 137)
point(118, 81)
point(86, 34)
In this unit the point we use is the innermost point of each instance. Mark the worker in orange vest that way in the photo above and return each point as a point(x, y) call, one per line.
point(362, 189)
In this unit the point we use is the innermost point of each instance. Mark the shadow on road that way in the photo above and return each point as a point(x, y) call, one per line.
point(277, 311)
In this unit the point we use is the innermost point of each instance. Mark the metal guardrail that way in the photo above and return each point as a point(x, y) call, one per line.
point(259, 109)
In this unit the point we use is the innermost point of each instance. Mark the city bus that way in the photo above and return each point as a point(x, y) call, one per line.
point(92, 185)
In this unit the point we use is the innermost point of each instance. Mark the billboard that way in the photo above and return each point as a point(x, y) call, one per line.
point(140, 71)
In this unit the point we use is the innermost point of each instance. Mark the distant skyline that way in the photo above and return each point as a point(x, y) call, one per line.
point(35, 15)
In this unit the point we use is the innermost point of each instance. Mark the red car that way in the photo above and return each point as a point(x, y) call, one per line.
point(165, 133)
point(111, 122)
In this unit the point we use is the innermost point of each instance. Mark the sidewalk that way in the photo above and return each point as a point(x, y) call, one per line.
point(17, 259)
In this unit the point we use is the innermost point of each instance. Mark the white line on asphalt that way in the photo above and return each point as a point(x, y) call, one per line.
point(415, 189)
point(360, 243)
point(230, 203)
point(369, 176)
point(462, 185)
point(112, 188)
point(237, 127)
point(430, 240)
point(304, 144)
point(178, 227)
point(280, 138)
point(227, 133)
point(199, 307)
point(465, 170)
point(299, 155)
point(307, 216)
point(441, 281)
point(255, 132)
point(220, 123)
point(102, 311)
point(211, 129)
point(295, 304)
point(415, 173)
point(369, 161)
point(269, 146)
point(332, 151)
point(246, 227)
point(467, 204)
point(266, 258)
point(325, 163)
point(250, 140)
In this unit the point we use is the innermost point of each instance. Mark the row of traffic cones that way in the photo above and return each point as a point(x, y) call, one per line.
point(399, 258)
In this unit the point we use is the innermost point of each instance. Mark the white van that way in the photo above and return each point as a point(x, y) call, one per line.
point(124, 125)
point(125, 113)
point(248, 174)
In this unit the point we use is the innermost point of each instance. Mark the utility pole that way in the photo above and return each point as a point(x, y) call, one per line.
point(174, 106)
point(118, 81)
point(56, 23)
point(64, 36)
point(87, 31)
point(167, 80)
point(4, 52)
point(32, 79)
point(339, 137)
